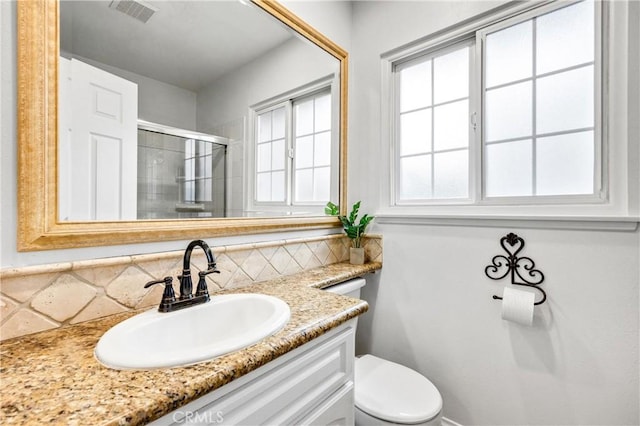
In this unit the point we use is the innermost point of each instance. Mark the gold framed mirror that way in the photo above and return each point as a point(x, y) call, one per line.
point(39, 226)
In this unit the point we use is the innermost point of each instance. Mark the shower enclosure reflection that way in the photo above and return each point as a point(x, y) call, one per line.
point(180, 175)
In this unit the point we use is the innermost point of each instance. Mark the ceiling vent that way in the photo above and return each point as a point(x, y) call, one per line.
point(136, 9)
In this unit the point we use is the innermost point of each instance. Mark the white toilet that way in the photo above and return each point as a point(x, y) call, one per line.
point(387, 393)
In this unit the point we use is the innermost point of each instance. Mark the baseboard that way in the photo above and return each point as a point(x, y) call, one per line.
point(448, 422)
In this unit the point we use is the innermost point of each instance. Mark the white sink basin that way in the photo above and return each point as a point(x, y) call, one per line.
point(199, 333)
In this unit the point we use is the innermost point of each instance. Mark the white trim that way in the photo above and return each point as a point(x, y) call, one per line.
point(460, 31)
point(599, 194)
point(312, 96)
point(612, 201)
point(328, 84)
point(181, 133)
point(448, 422)
point(591, 223)
point(299, 92)
point(429, 56)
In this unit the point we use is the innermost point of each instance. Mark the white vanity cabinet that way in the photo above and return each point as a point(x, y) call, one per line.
point(311, 385)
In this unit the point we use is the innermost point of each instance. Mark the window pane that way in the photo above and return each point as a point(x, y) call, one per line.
point(189, 148)
point(277, 155)
point(565, 164)
point(218, 160)
point(264, 127)
point(277, 186)
point(208, 148)
point(322, 150)
point(565, 101)
point(323, 113)
point(509, 55)
point(189, 170)
point(415, 132)
point(415, 177)
point(208, 166)
point(304, 117)
point(321, 181)
point(451, 76)
point(208, 190)
point(451, 126)
point(304, 185)
point(263, 187)
point(200, 147)
point(304, 152)
point(415, 86)
point(264, 157)
point(189, 191)
point(200, 191)
point(200, 166)
point(278, 123)
point(565, 37)
point(451, 174)
point(508, 112)
point(508, 169)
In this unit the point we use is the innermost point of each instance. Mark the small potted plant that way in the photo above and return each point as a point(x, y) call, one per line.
point(353, 228)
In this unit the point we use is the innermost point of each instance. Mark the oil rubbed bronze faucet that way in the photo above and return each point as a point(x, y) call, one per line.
point(187, 298)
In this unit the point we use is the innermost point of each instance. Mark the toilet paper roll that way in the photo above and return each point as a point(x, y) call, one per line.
point(517, 306)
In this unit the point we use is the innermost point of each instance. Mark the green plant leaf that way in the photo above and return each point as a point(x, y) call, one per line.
point(352, 233)
point(354, 213)
point(364, 222)
point(365, 219)
point(332, 209)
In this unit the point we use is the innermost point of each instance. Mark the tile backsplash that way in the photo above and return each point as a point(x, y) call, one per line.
point(43, 297)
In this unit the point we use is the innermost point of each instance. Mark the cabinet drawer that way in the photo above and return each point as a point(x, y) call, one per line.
point(281, 391)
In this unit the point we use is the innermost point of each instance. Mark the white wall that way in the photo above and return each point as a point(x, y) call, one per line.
point(331, 17)
point(158, 102)
point(578, 364)
point(431, 305)
point(285, 68)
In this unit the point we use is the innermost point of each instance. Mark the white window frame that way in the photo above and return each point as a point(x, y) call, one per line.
point(334, 146)
point(429, 54)
point(287, 164)
point(599, 184)
point(329, 84)
point(612, 199)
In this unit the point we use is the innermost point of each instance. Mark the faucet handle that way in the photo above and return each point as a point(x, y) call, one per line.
point(168, 297)
point(202, 289)
point(208, 271)
point(166, 281)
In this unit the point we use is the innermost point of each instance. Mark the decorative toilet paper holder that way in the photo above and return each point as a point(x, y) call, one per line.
point(501, 266)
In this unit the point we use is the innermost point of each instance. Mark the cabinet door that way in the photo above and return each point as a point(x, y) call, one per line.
point(337, 410)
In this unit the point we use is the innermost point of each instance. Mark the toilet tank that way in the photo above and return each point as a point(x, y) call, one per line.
point(349, 288)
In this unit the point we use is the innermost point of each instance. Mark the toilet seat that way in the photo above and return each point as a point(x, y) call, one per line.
point(393, 392)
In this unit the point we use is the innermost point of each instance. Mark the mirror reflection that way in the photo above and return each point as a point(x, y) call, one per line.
point(192, 109)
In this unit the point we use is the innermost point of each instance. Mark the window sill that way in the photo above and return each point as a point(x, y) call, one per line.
point(590, 223)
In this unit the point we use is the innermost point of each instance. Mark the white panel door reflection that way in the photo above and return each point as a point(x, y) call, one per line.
point(99, 138)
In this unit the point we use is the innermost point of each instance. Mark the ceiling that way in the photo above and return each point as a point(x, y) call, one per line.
point(188, 44)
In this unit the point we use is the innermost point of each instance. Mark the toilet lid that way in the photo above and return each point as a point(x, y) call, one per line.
point(393, 392)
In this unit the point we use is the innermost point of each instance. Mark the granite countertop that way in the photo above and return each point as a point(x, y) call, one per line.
point(53, 378)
